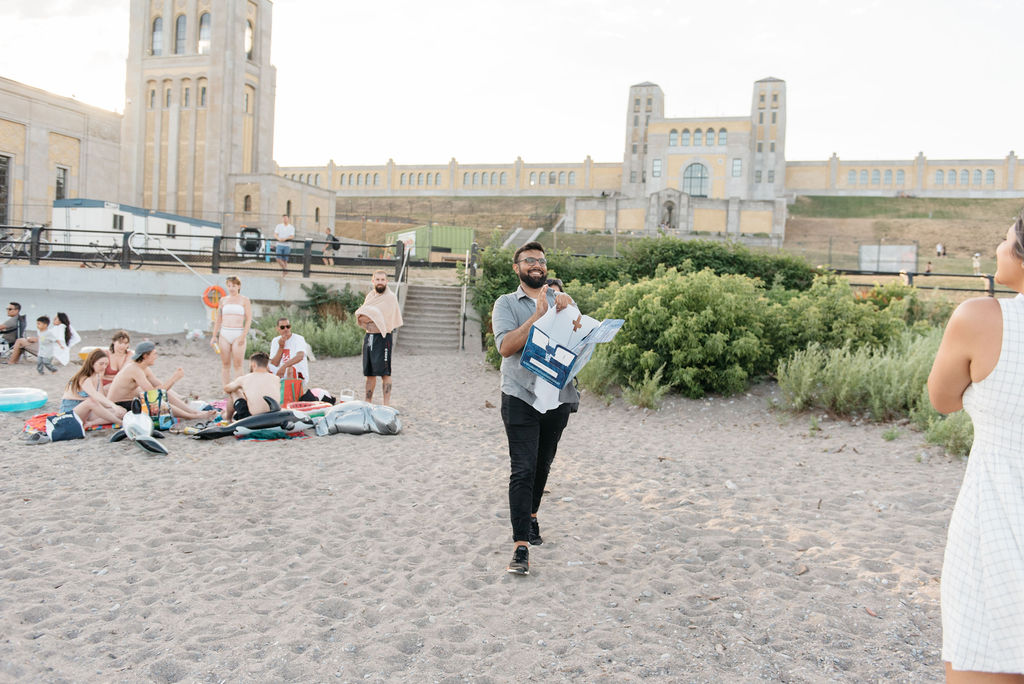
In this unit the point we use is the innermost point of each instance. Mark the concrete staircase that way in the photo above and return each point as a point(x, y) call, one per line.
point(431, 320)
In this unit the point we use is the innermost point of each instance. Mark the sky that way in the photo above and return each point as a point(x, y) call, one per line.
point(548, 80)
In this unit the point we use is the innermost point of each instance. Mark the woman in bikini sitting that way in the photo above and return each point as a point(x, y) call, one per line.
point(85, 395)
point(120, 353)
point(231, 329)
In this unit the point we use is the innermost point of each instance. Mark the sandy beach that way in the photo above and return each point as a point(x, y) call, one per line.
point(715, 540)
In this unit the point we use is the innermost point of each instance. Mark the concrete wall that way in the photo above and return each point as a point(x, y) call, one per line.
point(157, 303)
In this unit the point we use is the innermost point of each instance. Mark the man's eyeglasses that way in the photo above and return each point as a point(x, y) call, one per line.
point(284, 327)
point(533, 261)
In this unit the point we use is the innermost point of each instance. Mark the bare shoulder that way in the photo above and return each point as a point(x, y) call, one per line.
point(978, 311)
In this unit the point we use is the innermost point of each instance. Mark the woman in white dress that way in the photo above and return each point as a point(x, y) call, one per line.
point(231, 329)
point(980, 368)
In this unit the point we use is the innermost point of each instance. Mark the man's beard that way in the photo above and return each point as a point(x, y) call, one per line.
point(531, 281)
point(380, 288)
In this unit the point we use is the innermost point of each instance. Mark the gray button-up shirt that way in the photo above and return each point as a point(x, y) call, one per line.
point(511, 311)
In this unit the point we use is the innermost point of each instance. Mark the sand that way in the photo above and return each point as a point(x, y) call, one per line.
point(713, 540)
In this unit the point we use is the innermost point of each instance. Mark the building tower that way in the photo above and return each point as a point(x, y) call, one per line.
point(199, 104)
point(646, 103)
point(768, 139)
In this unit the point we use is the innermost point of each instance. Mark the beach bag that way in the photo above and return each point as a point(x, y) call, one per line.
point(154, 400)
point(291, 388)
point(64, 426)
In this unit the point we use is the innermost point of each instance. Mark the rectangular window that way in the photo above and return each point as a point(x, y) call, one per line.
point(152, 99)
point(760, 117)
point(167, 98)
point(757, 176)
point(645, 148)
point(634, 148)
point(760, 147)
point(771, 147)
point(774, 117)
point(775, 99)
point(656, 168)
point(202, 96)
point(636, 120)
point(118, 222)
point(185, 98)
point(632, 176)
point(61, 188)
point(771, 176)
point(761, 99)
point(636, 105)
point(172, 229)
point(5, 179)
point(737, 168)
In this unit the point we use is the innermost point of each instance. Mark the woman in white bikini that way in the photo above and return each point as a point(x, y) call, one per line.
point(234, 316)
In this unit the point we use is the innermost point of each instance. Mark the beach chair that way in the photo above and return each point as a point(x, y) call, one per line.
point(5, 348)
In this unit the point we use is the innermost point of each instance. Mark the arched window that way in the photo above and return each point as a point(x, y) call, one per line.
point(419, 179)
point(316, 214)
point(249, 39)
point(990, 177)
point(561, 177)
point(551, 178)
point(476, 177)
point(888, 176)
point(316, 181)
point(351, 178)
point(359, 179)
point(437, 178)
point(204, 34)
point(401, 179)
point(247, 203)
point(938, 177)
point(180, 25)
point(156, 43)
point(695, 180)
point(465, 178)
point(965, 177)
point(533, 178)
point(951, 177)
point(723, 137)
point(851, 177)
point(376, 179)
point(863, 177)
point(977, 176)
point(483, 180)
point(430, 179)
point(341, 179)
point(288, 208)
point(543, 178)
point(572, 178)
point(698, 138)
point(901, 177)
point(673, 138)
point(202, 92)
point(684, 140)
point(876, 177)
point(494, 177)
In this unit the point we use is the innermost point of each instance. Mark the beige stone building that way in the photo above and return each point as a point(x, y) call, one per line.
point(196, 137)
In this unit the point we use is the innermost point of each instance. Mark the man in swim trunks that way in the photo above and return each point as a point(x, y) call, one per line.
point(246, 392)
point(379, 315)
point(284, 232)
point(137, 377)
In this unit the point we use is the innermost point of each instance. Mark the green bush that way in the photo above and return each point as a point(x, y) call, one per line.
point(324, 302)
point(328, 337)
point(599, 375)
point(648, 392)
point(905, 301)
point(955, 433)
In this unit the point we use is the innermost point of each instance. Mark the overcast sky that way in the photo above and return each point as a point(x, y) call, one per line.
point(548, 79)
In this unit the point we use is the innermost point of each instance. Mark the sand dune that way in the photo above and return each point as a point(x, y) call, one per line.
point(714, 540)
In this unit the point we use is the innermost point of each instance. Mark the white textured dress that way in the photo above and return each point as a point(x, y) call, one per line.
point(983, 569)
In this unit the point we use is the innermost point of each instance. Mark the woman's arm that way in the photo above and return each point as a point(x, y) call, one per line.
point(968, 352)
point(248, 317)
point(93, 387)
point(217, 323)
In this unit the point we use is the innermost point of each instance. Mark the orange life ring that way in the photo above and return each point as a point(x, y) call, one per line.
point(211, 302)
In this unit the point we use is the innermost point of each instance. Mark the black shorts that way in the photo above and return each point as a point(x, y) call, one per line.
point(241, 409)
point(376, 355)
point(126, 405)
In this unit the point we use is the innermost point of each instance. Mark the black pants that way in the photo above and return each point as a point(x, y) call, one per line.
point(532, 441)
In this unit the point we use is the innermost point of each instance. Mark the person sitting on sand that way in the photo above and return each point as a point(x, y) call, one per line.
point(246, 392)
point(137, 377)
point(119, 355)
point(85, 396)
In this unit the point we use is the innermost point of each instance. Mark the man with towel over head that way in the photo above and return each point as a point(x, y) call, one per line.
point(378, 316)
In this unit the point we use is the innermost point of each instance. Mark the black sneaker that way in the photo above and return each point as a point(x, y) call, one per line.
point(535, 538)
point(520, 564)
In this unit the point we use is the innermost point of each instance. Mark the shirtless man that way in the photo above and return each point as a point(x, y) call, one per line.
point(246, 392)
point(137, 377)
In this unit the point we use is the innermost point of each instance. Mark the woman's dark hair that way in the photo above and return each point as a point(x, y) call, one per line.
point(63, 318)
point(1018, 231)
point(557, 282)
point(119, 335)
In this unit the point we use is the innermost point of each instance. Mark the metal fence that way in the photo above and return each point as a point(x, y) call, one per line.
point(103, 249)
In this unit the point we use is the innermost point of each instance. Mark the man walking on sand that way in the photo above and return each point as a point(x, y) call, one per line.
point(283, 234)
point(246, 392)
point(378, 316)
point(532, 436)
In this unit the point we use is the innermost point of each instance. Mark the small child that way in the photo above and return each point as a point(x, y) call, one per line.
point(48, 341)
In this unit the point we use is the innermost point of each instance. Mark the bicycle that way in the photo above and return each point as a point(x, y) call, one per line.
point(111, 256)
point(21, 248)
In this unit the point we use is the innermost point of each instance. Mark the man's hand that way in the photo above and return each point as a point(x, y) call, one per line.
point(542, 303)
point(280, 372)
point(179, 373)
point(562, 300)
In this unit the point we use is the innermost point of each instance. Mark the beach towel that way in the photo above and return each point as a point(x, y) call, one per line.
point(381, 308)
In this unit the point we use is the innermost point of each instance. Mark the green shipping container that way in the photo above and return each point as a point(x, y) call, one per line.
point(423, 241)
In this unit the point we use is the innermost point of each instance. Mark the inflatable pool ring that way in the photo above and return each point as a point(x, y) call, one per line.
point(311, 408)
point(208, 298)
point(84, 352)
point(21, 398)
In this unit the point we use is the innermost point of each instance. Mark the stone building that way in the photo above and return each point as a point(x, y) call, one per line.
point(196, 137)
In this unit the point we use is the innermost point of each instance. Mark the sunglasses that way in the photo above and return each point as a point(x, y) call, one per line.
point(284, 327)
point(532, 261)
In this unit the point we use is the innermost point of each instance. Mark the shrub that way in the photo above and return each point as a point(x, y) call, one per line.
point(648, 392)
point(328, 337)
point(324, 302)
point(599, 375)
point(955, 433)
point(905, 302)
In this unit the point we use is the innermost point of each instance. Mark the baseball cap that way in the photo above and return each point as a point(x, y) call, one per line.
point(144, 348)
